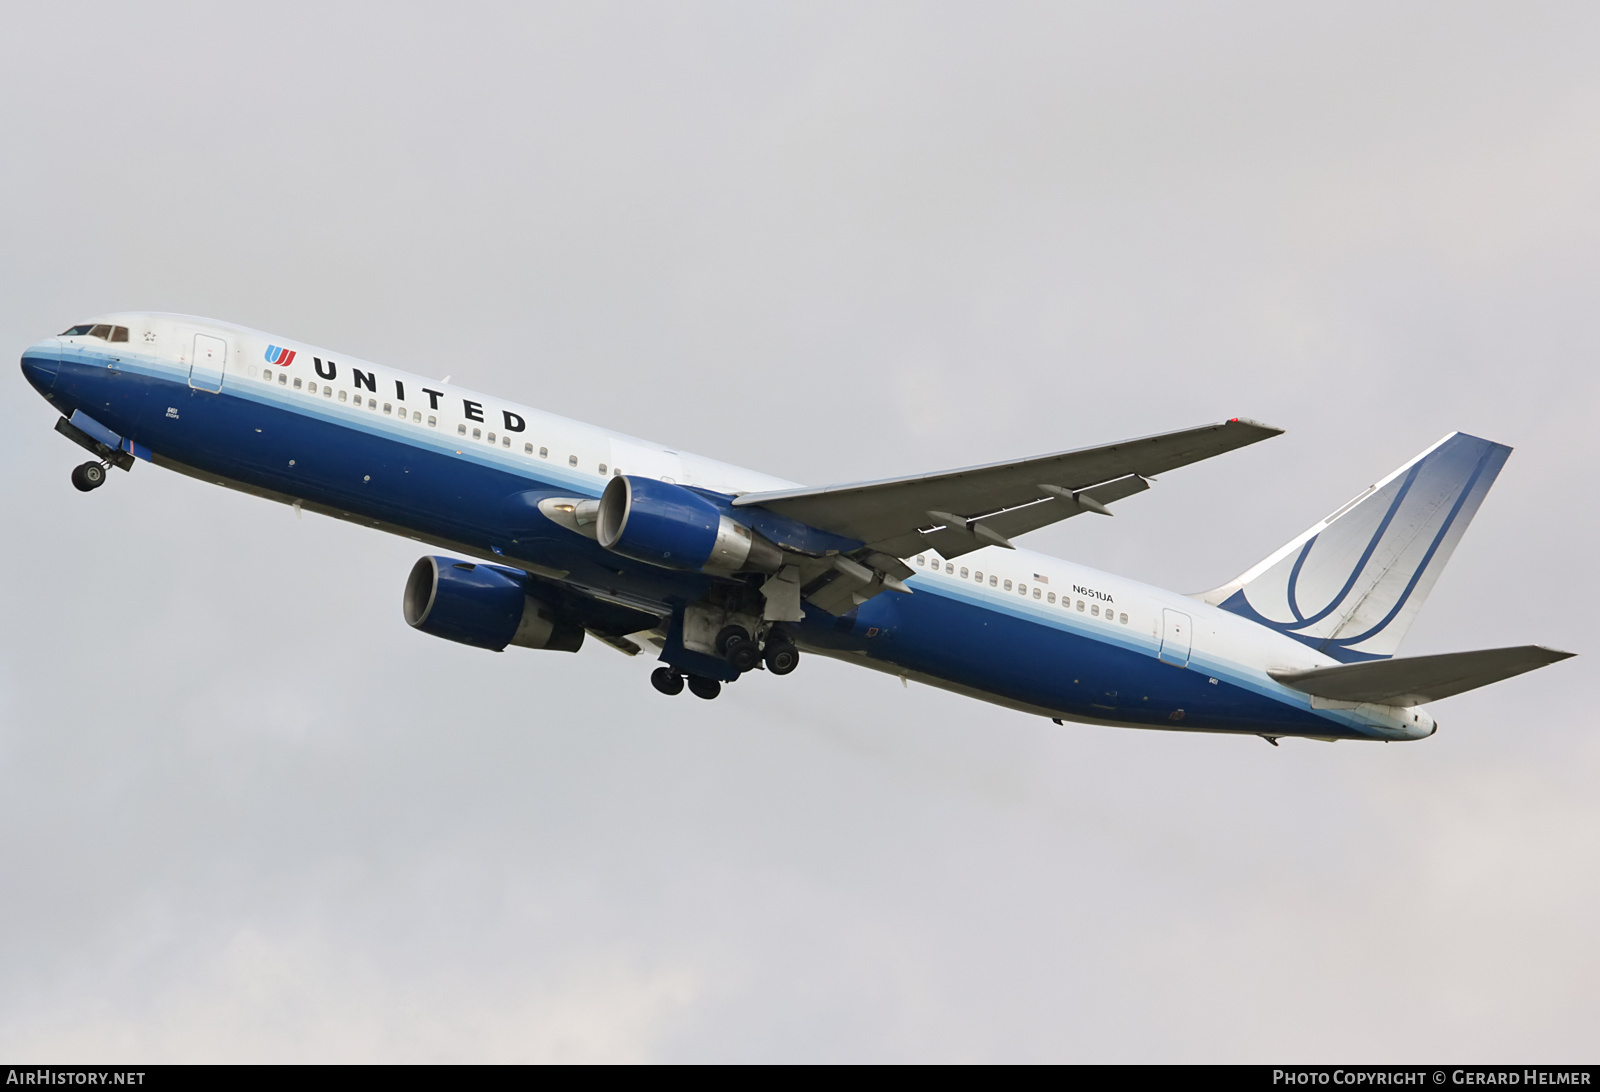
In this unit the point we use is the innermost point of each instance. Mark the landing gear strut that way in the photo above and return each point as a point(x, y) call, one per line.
point(89, 476)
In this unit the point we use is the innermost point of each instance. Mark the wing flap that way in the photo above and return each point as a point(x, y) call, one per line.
point(1413, 680)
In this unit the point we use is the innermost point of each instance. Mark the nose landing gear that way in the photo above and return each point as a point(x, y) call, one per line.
point(88, 477)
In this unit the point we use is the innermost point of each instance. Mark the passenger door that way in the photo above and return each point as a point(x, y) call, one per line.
point(205, 367)
point(1175, 637)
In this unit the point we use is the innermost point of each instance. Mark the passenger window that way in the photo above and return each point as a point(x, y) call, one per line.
point(1051, 598)
point(477, 434)
point(461, 430)
point(1008, 585)
point(544, 453)
point(602, 468)
point(267, 376)
point(963, 573)
point(950, 567)
point(297, 382)
point(491, 437)
point(1080, 606)
point(616, 472)
point(432, 420)
point(312, 387)
point(283, 377)
point(992, 580)
point(572, 460)
point(327, 392)
point(922, 559)
point(1094, 609)
point(1036, 593)
point(119, 333)
point(401, 410)
point(372, 403)
point(344, 396)
point(416, 417)
point(527, 449)
point(505, 441)
point(387, 408)
point(1124, 619)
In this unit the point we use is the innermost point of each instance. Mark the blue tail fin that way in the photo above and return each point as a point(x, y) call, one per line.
point(1351, 586)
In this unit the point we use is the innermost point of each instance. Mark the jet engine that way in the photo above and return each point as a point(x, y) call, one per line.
point(485, 606)
point(664, 524)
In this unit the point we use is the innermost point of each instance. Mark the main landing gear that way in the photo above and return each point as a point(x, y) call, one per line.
point(88, 477)
point(743, 653)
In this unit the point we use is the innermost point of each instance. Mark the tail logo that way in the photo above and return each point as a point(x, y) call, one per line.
point(1351, 586)
point(281, 357)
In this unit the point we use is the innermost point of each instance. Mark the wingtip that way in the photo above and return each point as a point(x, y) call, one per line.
point(1270, 430)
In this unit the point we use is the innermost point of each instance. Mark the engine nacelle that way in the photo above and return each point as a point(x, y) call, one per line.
point(482, 605)
point(664, 524)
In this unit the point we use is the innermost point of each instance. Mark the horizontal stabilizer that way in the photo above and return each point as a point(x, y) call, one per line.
point(1413, 680)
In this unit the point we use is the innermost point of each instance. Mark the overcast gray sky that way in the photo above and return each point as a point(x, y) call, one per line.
point(245, 813)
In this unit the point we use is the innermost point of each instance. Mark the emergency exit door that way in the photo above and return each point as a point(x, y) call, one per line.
point(205, 367)
point(1175, 637)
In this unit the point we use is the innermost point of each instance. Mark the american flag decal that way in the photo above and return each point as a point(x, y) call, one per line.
point(1039, 578)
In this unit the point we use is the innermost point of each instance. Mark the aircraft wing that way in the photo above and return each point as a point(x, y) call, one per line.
point(1412, 680)
point(957, 511)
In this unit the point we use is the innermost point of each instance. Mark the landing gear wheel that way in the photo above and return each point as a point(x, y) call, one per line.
point(782, 657)
point(702, 687)
point(743, 655)
point(89, 476)
point(727, 635)
point(737, 648)
point(667, 681)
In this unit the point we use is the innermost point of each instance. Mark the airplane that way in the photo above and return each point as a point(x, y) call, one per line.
point(554, 530)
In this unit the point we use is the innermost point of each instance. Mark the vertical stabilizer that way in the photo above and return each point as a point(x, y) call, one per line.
point(1351, 586)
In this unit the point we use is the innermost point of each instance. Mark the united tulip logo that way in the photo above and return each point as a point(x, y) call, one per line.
point(281, 357)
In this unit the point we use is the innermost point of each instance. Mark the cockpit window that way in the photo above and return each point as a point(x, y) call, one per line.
point(100, 330)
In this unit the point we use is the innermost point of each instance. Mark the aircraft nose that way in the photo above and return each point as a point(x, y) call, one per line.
point(39, 364)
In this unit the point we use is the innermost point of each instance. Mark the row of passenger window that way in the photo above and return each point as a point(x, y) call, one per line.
point(1083, 606)
point(527, 448)
point(416, 416)
point(326, 390)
